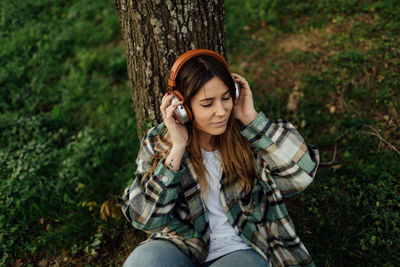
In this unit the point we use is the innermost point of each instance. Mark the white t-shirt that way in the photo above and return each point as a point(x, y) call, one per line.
point(223, 238)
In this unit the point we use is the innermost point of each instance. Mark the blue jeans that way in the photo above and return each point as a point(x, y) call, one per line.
point(161, 253)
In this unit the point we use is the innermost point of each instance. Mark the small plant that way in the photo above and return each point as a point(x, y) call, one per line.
point(64, 148)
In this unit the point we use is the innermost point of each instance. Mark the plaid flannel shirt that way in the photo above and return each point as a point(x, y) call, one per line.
point(168, 204)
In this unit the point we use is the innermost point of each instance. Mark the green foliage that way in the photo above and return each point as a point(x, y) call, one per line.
point(64, 147)
point(37, 38)
point(344, 57)
point(68, 136)
point(259, 12)
point(54, 181)
point(351, 212)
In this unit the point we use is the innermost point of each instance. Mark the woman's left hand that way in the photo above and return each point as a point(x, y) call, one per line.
point(243, 108)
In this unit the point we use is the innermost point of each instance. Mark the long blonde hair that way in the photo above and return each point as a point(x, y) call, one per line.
point(234, 149)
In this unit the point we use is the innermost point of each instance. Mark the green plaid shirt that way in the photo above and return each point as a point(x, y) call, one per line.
point(168, 204)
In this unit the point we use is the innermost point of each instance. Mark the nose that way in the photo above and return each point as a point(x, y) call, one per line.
point(221, 108)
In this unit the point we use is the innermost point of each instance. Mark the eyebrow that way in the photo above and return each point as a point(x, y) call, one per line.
point(211, 98)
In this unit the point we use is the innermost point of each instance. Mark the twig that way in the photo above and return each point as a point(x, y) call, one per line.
point(335, 148)
point(333, 158)
point(376, 133)
point(127, 243)
point(343, 134)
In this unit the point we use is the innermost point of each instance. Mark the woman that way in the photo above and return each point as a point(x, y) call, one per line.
point(211, 191)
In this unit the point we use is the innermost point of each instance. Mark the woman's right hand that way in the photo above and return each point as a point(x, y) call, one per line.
point(177, 131)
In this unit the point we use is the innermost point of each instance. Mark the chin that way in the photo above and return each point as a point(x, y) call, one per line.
point(216, 131)
point(212, 130)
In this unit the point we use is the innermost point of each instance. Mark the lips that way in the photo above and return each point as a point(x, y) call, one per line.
point(220, 123)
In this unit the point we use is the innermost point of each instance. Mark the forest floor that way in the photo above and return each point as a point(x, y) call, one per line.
point(332, 68)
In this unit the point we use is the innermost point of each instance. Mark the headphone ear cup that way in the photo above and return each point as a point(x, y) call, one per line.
point(237, 91)
point(182, 112)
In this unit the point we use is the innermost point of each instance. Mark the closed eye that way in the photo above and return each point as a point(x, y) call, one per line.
point(206, 105)
point(226, 96)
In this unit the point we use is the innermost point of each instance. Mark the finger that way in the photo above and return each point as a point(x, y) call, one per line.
point(171, 109)
point(163, 98)
point(173, 106)
point(242, 81)
point(166, 101)
point(234, 74)
point(239, 79)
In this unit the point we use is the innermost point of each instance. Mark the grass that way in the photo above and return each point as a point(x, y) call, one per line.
point(65, 148)
point(342, 59)
point(66, 152)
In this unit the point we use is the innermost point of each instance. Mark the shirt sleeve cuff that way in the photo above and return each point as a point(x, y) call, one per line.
point(256, 132)
point(167, 177)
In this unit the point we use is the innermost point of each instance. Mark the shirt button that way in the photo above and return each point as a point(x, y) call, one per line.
point(164, 179)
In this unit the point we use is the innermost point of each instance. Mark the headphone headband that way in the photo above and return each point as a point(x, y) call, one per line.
point(186, 57)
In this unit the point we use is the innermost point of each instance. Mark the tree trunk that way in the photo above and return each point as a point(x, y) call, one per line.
point(155, 33)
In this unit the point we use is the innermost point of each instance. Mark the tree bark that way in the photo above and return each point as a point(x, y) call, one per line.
point(155, 33)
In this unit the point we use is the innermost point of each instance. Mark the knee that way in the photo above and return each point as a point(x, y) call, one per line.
point(157, 253)
point(143, 255)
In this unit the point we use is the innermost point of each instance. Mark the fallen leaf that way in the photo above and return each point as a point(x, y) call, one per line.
point(337, 166)
point(105, 210)
point(17, 263)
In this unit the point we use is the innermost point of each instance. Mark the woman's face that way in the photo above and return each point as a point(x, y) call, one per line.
point(212, 106)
